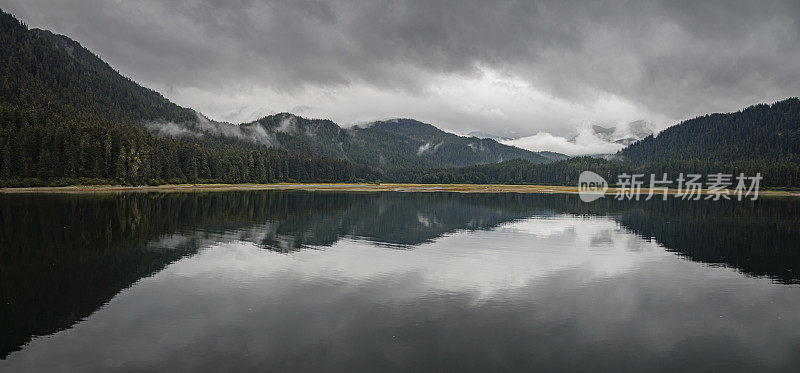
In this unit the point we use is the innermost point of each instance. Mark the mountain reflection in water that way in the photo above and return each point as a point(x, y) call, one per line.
point(424, 280)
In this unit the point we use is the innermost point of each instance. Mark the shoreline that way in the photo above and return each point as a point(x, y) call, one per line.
point(343, 187)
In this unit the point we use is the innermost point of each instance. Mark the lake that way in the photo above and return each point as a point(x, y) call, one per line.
point(317, 281)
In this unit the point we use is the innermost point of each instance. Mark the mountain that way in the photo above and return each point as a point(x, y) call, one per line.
point(439, 148)
point(769, 133)
point(39, 66)
point(388, 144)
point(67, 117)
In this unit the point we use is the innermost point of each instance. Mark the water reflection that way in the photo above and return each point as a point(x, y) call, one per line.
point(487, 281)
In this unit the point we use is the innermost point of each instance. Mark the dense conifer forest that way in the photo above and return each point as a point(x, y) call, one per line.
point(65, 118)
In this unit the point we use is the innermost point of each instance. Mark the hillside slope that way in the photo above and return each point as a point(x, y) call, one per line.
point(67, 117)
point(431, 143)
point(383, 145)
point(41, 67)
point(761, 132)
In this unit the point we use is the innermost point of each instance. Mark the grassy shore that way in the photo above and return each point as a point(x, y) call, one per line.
point(341, 187)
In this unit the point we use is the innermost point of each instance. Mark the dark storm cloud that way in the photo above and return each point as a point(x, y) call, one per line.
point(674, 58)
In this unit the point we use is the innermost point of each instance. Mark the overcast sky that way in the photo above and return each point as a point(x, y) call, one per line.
point(497, 67)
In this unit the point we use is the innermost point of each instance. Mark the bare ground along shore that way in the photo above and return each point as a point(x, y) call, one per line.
point(342, 187)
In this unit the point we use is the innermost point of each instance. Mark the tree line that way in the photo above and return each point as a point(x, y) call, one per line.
point(776, 174)
point(38, 148)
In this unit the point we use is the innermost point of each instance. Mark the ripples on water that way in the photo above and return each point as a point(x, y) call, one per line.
point(429, 281)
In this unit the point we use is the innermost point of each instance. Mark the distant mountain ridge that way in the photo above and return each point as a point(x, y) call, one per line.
point(429, 142)
point(386, 144)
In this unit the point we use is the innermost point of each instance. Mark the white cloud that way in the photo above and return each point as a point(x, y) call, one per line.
point(585, 143)
point(423, 148)
point(488, 101)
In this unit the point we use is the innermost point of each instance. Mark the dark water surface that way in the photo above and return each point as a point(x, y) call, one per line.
point(302, 281)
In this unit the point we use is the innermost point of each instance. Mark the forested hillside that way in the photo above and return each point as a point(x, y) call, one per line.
point(431, 143)
point(40, 67)
point(384, 145)
point(768, 133)
point(67, 117)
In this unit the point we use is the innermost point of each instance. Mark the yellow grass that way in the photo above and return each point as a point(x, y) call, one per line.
point(343, 187)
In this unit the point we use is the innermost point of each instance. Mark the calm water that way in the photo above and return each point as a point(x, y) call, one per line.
point(293, 281)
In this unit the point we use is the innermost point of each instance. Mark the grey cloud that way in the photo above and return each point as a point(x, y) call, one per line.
point(674, 58)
